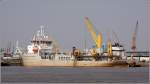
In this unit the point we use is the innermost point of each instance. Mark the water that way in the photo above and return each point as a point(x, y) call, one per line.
point(20, 74)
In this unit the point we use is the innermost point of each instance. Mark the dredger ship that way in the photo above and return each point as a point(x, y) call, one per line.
point(43, 52)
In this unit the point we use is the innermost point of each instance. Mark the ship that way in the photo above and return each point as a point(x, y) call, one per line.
point(43, 51)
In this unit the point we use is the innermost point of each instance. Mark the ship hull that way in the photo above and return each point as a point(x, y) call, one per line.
point(37, 61)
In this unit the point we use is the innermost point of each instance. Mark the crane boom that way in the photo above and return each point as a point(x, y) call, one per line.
point(116, 40)
point(97, 39)
point(133, 44)
point(109, 46)
point(133, 47)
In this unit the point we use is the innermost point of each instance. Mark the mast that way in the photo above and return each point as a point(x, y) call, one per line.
point(17, 49)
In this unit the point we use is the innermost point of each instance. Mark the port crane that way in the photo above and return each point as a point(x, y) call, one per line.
point(133, 43)
point(96, 37)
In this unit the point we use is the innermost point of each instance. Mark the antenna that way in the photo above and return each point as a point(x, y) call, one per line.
point(17, 44)
point(41, 30)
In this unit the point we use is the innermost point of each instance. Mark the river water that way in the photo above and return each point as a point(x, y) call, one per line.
point(20, 74)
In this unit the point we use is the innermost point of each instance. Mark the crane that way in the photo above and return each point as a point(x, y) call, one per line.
point(116, 40)
point(97, 38)
point(109, 46)
point(133, 43)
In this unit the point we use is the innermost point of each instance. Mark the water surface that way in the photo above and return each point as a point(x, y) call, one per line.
point(17, 74)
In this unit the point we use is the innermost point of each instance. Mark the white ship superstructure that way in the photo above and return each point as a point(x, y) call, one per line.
point(118, 50)
point(40, 42)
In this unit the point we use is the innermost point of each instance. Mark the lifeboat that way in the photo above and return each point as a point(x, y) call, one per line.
point(35, 49)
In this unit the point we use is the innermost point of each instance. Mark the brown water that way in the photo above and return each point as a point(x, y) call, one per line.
point(20, 74)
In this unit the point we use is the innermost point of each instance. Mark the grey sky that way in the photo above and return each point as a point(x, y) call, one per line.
point(63, 19)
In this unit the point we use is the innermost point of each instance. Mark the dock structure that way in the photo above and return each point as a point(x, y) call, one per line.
point(12, 58)
point(11, 61)
point(139, 55)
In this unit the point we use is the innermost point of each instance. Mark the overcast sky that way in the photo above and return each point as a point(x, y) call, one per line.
point(64, 21)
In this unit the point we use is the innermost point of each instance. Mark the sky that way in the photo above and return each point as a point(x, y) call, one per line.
point(64, 21)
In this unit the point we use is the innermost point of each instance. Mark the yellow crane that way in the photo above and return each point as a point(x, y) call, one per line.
point(109, 46)
point(97, 38)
